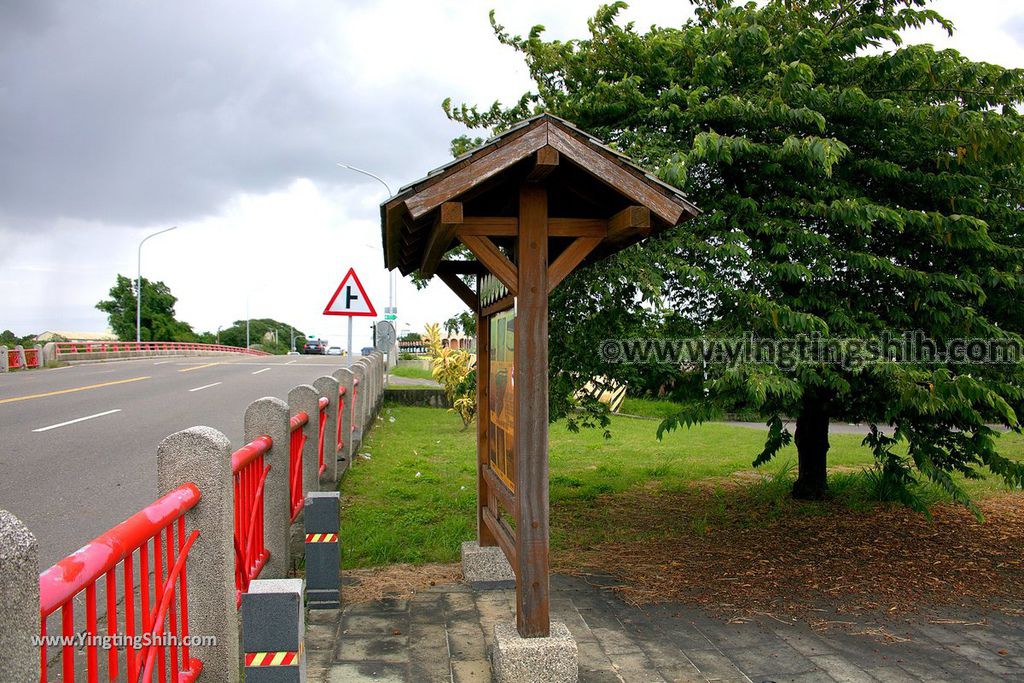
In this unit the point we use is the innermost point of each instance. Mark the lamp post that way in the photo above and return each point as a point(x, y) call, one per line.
point(138, 281)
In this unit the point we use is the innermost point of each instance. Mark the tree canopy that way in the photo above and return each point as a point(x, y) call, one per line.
point(852, 185)
point(157, 317)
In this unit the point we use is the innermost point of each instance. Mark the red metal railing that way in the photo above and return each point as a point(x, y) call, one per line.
point(298, 440)
point(157, 533)
point(32, 359)
point(324, 402)
point(250, 476)
point(341, 411)
point(73, 348)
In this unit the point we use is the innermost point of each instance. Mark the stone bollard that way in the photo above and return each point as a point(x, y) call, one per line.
point(273, 632)
point(38, 348)
point(304, 398)
point(270, 416)
point(358, 403)
point(345, 377)
point(323, 549)
point(3, 359)
point(202, 455)
point(328, 386)
point(21, 362)
point(19, 595)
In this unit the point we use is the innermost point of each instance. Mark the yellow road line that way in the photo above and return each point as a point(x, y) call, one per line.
point(69, 391)
point(198, 367)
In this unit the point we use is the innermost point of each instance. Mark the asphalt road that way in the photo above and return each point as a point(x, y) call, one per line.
point(78, 444)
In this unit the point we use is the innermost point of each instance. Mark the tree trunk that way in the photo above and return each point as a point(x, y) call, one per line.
point(812, 450)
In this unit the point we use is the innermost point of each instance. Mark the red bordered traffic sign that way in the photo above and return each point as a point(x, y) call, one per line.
point(350, 298)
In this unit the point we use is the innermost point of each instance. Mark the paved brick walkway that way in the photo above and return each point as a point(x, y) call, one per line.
point(443, 635)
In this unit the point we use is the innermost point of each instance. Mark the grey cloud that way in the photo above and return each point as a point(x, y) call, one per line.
point(143, 113)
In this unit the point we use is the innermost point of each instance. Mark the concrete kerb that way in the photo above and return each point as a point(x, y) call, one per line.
point(554, 659)
point(345, 377)
point(305, 398)
point(328, 386)
point(19, 595)
point(202, 456)
point(269, 416)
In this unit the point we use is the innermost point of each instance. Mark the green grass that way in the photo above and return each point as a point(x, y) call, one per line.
point(411, 371)
point(414, 500)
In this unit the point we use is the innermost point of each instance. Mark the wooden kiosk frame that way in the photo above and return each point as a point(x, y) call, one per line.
point(531, 205)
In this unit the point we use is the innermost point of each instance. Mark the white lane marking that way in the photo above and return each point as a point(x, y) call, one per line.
point(259, 371)
point(163, 362)
point(289, 362)
point(206, 386)
point(81, 419)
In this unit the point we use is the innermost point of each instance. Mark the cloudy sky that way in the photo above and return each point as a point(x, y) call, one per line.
point(226, 119)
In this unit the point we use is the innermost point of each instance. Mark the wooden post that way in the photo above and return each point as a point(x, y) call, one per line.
point(484, 534)
point(531, 424)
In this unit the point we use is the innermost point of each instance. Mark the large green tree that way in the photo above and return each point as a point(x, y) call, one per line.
point(851, 184)
point(157, 317)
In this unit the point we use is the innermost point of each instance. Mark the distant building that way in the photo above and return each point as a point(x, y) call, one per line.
point(65, 335)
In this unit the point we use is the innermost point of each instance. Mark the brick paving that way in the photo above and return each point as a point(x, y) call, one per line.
point(444, 634)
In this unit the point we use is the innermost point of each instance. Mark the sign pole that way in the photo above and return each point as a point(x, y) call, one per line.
point(350, 341)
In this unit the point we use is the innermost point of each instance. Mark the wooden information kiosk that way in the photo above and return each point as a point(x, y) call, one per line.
point(531, 205)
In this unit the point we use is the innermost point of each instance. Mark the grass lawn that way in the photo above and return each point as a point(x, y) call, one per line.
point(411, 371)
point(414, 499)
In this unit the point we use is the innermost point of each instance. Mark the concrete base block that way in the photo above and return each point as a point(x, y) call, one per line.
point(486, 567)
point(554, 659)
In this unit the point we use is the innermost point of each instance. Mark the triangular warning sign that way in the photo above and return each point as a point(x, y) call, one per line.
point(350, 298)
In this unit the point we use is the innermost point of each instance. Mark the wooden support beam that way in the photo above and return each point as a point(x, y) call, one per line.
point(490, 226)
point(499, 488)
point(461, 290)
point(484, 535)
point(577, 227)
point(531, 427)
point(492, 258)
point(502, 537)
point(545, 161)
point(569, 259)
point(449, 218)
point(631, 222)
point(461, 267)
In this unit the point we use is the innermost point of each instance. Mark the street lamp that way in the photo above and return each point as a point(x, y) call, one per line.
point(391, 275)
point(138, 296)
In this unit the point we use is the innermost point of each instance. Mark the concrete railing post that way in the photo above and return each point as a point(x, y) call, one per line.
point(49, 352)
point(3, 359)
point(19, 595)
point(345, 377)
point(21, 362)
point(270, 416)
point(304, 398)
point(202, 455)
point(359, 373)
point(328, 386)
point(38, 348)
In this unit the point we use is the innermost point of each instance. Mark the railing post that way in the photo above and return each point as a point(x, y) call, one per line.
point(304, 398)
point(269, 416)
point(328, 386)
point(39, 355)
point(378, 379)
point(19, 595)
point(345, 377)
point(22, 363)
point(359, 371)
point(202, 455)
point(3, 359)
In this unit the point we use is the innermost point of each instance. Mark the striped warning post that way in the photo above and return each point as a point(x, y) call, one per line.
point(271, 658)
point(321, 538)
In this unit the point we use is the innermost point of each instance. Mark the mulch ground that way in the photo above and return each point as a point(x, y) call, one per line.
point(395, 581)
point(805, 561)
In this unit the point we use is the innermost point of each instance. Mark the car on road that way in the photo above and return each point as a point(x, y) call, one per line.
point(334, 351)
point(315, 346)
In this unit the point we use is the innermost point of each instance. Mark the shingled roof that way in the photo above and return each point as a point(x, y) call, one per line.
point(593, 179)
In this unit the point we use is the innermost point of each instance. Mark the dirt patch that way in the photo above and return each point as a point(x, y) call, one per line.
point(396, 581)
point(740, 555)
